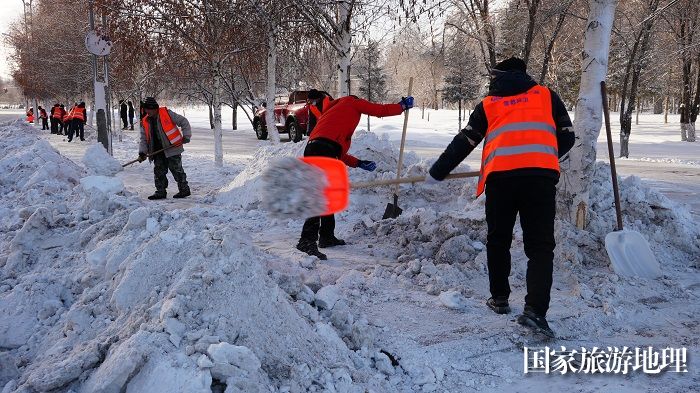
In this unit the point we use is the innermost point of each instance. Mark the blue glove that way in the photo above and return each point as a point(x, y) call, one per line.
point(367, 165)
point(406, 102)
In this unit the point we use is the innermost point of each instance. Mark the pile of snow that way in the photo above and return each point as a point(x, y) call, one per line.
point(99, 292)
point(98, 162)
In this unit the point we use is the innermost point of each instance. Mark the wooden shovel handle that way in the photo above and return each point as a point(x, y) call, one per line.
point(151, 155)
point(414, 179)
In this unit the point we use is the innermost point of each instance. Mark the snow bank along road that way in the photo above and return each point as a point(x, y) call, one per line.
point(104, 291)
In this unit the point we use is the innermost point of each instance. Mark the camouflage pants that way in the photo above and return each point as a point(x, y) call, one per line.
point(161, 165)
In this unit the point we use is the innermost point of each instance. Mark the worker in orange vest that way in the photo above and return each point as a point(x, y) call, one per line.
point(161, 129)
point(78, 117)
point(56, 117)
point(65, 120)
point(30, 115)
point(317, 100)
point(526, 130)
point(44, 118)
point(331, 138)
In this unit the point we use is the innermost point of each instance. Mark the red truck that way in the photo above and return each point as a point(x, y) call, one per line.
point(291, 116)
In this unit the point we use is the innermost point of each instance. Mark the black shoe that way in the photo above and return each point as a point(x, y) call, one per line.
point(536, 322)
point(182, 194)
point(311, 249)
point(499, 306)
point(158, 195)
point(332, 241)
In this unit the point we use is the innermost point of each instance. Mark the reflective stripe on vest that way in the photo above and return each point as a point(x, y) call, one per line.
point(169, 128)
point(521, 134)
point(57, 113)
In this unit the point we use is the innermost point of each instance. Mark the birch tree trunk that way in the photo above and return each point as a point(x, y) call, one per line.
point(577, 171)
point(345, 40)
point(271, 84)
point(218, 135)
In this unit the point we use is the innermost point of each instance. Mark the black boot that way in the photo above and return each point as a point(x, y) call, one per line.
point(158, 195)
point(538, 323)
point(330, 241)
point(182, 193)
point(498, 305)
point(311, 249)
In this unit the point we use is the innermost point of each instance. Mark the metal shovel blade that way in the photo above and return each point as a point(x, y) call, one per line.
point(392, 209)
point(630, 254)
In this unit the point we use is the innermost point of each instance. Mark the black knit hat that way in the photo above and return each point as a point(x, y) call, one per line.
point(511, 64)
point(314, 94)
point(150, 103)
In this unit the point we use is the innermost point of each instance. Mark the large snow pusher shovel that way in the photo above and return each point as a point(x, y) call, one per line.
point(292, 188)
point(628, 251)
point(392, 209)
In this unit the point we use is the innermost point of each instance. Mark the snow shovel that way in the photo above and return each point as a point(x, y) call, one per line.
point(317, 186)
point(392, 209)
point(628, 251)
point(151, 155)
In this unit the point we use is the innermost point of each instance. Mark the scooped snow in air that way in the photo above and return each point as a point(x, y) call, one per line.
point(296, 188)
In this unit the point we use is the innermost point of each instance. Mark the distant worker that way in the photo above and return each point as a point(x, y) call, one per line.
point(331, 137)
point(65, 121)
point(77, 123)
point(163, 132)
point(44, 119)
point(526, 129)
point(30, 115)
point(56, 117)
point(131, 115)
point(123, 113)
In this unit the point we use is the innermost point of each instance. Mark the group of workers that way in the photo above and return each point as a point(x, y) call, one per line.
point(525, 127)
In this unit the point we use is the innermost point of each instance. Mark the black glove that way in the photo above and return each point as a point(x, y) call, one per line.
point(142, 157)
point(185, 140)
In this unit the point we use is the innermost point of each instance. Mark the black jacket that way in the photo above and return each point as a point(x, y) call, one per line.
point(505, 84)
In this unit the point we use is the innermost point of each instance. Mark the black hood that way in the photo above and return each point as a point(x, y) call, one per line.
point(509, 83)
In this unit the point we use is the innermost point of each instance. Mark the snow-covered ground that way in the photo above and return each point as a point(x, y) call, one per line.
point(102, 290)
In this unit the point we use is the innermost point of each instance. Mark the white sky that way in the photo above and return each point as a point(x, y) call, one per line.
point(9, 11)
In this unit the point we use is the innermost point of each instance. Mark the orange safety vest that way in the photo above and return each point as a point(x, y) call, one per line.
point(77, 113)
point(171, 131)
point(68, 115)
point(521, 133)
point(316, 111)
point(57, 113)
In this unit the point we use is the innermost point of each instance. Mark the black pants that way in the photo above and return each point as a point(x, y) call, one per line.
point(65, 127)
point(161, 165)
point(131, 121)
point(44, 123)
point(54, 125)
point(323, 225)
point(126, 124)
point(76, 126)
point(534, 198)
